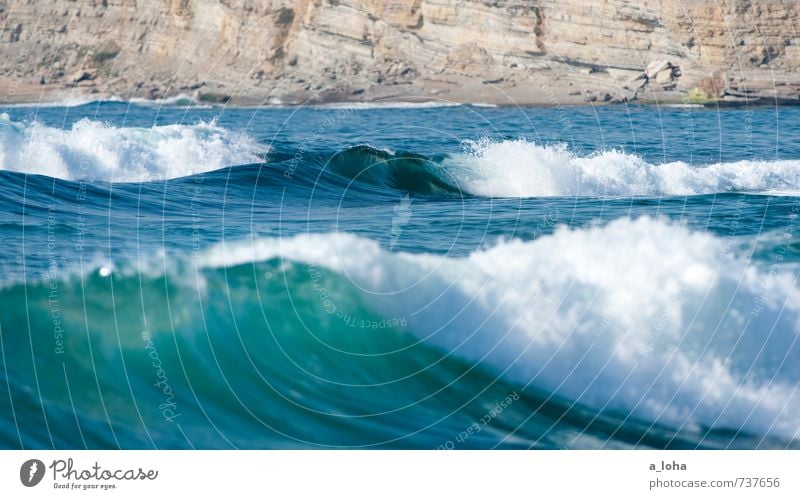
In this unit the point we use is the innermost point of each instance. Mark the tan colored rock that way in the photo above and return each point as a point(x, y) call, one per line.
point(654, 68)
point(713, 86)
point(295, 50)
point(664, 76)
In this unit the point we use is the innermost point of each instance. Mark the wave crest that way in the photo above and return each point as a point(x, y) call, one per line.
point(519, 168)
point(640, 318)
point(92, 150)
point(401, 171)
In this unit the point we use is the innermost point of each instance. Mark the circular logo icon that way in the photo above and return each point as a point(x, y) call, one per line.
point(31, 472)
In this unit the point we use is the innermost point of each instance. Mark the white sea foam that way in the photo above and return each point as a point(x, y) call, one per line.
point(519, 168)
point(97, 151)
point(77, 100)
point(69, 100)
point(179, 100)
point(642, 317)
point(683, 106)
point(386, 105)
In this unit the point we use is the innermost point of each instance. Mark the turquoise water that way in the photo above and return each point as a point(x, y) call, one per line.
point(399, 277)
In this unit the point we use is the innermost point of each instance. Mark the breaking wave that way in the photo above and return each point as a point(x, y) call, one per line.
point(94, 150)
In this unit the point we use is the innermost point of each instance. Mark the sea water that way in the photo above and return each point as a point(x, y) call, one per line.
point(399, 276)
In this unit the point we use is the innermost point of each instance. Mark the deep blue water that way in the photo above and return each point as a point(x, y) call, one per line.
point(423, 277)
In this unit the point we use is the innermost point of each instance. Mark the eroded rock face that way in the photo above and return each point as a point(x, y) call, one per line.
point(545, 51)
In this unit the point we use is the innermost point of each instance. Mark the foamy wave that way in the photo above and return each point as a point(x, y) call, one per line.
point(96, 151)
point(66, 101)
point(179, 100)
point(518, 168)
point(354, 106)
point(640, 317)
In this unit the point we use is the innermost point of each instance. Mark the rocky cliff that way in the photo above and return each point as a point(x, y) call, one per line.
point(502, 51)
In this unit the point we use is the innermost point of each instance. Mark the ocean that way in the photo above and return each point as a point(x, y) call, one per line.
point(399, 276)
